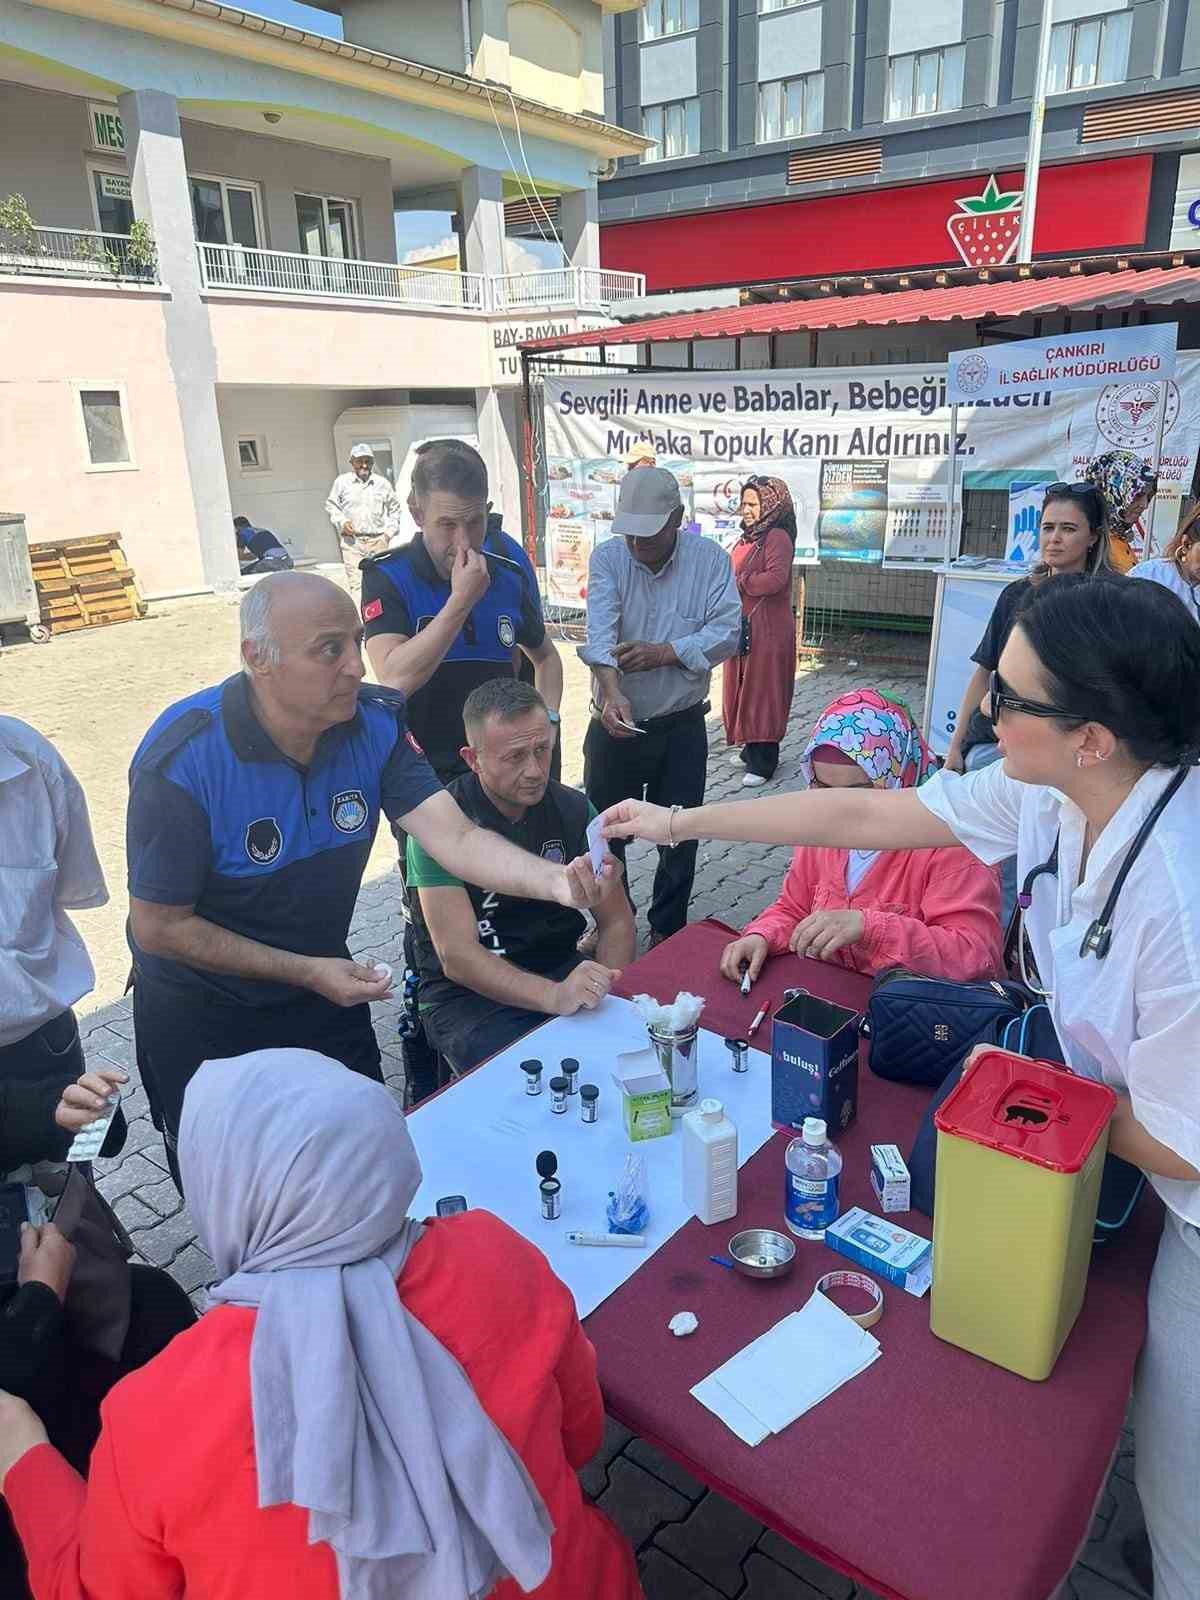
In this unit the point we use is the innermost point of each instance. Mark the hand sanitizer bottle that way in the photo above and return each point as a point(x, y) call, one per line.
point(814, 1175)
point(709, 1162)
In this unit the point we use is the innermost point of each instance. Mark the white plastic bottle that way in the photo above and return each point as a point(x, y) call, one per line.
point(814, 1176)
point(710, 1163)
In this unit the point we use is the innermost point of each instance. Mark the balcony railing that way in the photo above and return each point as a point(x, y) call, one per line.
point(283, 273)
point(580, 287)
point(234, 266)
point(74, 253)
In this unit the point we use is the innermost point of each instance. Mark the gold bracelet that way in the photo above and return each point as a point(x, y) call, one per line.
point(671, 826)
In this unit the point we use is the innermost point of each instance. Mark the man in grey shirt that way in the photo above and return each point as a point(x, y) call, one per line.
point(662, 611)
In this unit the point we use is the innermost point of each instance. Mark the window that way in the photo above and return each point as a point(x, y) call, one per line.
point(326, 226)
point(111, 193)
point(1091, 51)
point(252, 453)
point(675, 129)
point(775, 5)
point(226, 212)
point(661, 18)
point(791, 108)
point(104, 428)
point(931, 80)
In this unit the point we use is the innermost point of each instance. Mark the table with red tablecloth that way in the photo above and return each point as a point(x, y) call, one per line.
point(934, 1475)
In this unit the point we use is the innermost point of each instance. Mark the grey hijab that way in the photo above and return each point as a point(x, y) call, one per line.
point(299, 1175)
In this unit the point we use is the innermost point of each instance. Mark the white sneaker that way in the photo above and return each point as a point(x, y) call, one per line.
point(752, 781)
point(735, 758)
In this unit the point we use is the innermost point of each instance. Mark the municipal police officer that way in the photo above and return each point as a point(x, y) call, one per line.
point(445, 612)
point(253, 807)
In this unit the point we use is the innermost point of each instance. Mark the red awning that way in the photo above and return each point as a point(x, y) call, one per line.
point(967, 302)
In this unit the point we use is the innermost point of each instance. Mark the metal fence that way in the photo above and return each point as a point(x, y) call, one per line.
point(233, 266)
point(565, 286)
point(76, 253)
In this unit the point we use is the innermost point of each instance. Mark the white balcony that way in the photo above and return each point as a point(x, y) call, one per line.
point(291, 276)
point(76, 253)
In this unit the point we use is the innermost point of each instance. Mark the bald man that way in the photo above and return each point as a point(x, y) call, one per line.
point(252, 809)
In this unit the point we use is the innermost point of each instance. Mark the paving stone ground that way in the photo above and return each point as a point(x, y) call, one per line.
point(94, 694)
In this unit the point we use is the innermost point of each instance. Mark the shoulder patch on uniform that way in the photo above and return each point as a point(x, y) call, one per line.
point(554, 850)
point(372, 609)
point(173, 738)
point(506, 632)
point(348, 810)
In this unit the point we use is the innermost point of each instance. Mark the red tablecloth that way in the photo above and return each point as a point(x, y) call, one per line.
point(934, 1475)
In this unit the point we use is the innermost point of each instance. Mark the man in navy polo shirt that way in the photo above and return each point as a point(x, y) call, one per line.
point(445, 612)
point(253, 807)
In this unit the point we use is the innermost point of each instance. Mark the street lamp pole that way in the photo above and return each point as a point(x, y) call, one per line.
point(1037, 118)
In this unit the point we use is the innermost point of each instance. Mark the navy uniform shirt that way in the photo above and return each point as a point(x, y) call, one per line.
point(535, 935)
point(220, 819)
point(402, 592)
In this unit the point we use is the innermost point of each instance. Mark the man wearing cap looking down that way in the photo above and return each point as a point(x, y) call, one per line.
point(663, 610)
point(364, 510)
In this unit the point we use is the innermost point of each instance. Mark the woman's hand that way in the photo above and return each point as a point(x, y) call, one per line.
point(954, 758)
point(750, 951)
point(823, 933)
point(87, 1100)
point(20, 1431)
point(47, 1256)
point(637, 819)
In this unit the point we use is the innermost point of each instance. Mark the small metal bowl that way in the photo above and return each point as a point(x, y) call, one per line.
point(762, 1253)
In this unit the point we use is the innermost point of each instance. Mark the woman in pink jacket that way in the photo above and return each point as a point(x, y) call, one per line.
point(935, 912)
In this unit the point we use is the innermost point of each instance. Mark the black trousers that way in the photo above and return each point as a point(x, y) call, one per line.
point(176, 1028)
point(761, 758)
point(467, 1028)
point(667, 765)
point(34, 1072)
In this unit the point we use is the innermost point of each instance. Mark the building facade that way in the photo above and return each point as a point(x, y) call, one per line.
point(198, 264)
point(873, 136)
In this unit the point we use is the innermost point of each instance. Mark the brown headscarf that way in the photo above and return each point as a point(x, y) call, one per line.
point(775, 508)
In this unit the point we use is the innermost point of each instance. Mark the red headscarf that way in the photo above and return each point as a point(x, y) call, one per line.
point(775, 503)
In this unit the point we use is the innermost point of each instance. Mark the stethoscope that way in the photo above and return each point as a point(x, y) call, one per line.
point(1098, 938)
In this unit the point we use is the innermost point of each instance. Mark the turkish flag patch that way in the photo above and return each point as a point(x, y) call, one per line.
point(372, 609)
point(408, 734)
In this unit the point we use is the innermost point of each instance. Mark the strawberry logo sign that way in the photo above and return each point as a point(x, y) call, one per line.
point(985, 227)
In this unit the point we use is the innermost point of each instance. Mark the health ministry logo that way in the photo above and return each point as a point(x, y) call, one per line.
point(1127, 414)
point(973, 373)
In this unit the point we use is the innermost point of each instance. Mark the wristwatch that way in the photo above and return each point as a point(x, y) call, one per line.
point(554, 716)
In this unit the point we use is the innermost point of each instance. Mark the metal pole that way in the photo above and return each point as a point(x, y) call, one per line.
point(1033, 156)
point(1164, 394)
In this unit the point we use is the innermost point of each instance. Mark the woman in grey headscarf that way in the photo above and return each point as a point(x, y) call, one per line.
point(377, 1409)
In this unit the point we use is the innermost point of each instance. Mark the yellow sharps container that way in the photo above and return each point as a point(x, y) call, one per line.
point(1020, 1154)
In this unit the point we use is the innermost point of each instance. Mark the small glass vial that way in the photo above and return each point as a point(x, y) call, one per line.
point(558, 1096)
point(551, 1190)
point(588, 1095)
point(739, 1053)
point(533, 1076)
point(569, 1068)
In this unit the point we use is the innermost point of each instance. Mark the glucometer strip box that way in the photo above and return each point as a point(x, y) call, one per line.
point(890, 1178)
point(645, 1094)
point(883, 1248)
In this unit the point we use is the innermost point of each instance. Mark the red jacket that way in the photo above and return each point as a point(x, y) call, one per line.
point(936, 912)
point(171, 1503)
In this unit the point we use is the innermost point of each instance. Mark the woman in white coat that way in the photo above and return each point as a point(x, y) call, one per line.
point(1097, 707)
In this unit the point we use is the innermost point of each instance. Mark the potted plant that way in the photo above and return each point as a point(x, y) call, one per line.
point(19, 242)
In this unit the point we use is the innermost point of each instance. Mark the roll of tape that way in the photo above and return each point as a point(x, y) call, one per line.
point(855, 1280)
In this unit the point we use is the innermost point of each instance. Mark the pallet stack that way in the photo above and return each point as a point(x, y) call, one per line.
point(85, 583)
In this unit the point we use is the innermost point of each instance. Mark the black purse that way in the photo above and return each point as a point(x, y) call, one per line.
point(918, 1029)
point(744, 637)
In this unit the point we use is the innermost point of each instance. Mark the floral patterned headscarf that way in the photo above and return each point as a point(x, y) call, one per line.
point(1121, 477)
point(774, 503)
point(878, 734)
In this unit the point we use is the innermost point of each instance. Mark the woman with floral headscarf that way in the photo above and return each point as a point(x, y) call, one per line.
point(1128, 484)
point(758, 681)
point(935, 912)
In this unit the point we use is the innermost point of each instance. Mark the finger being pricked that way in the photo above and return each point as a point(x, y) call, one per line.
point(589, 884)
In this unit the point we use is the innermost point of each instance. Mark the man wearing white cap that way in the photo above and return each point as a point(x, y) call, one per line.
point(662, 611)
point(364, 510)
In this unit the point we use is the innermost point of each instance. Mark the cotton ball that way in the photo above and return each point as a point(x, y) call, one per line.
point(683, 1323)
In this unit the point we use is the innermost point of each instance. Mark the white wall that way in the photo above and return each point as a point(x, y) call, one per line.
point(289, 498)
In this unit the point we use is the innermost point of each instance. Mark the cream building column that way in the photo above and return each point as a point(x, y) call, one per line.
point(161, 197)
point(579, 219)
point(495, 409)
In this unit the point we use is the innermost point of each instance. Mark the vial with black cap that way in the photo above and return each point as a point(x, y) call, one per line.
point(533, 1076)
point(588, 1096)
point(569, 1068)
point(558, 1096)
point(739, 1053)
point(550, 1187)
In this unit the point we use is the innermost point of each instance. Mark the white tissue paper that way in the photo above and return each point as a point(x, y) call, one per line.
point(683, 1012)
point(683, 1323)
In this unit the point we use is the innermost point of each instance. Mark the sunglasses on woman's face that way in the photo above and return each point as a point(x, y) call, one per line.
point(1001, 699)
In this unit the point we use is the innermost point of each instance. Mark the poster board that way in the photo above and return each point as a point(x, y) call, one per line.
point(964, 604)
point(865, 453)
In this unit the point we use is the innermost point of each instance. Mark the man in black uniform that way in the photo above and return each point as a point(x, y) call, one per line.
point(491, 966)
point(253, 807)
